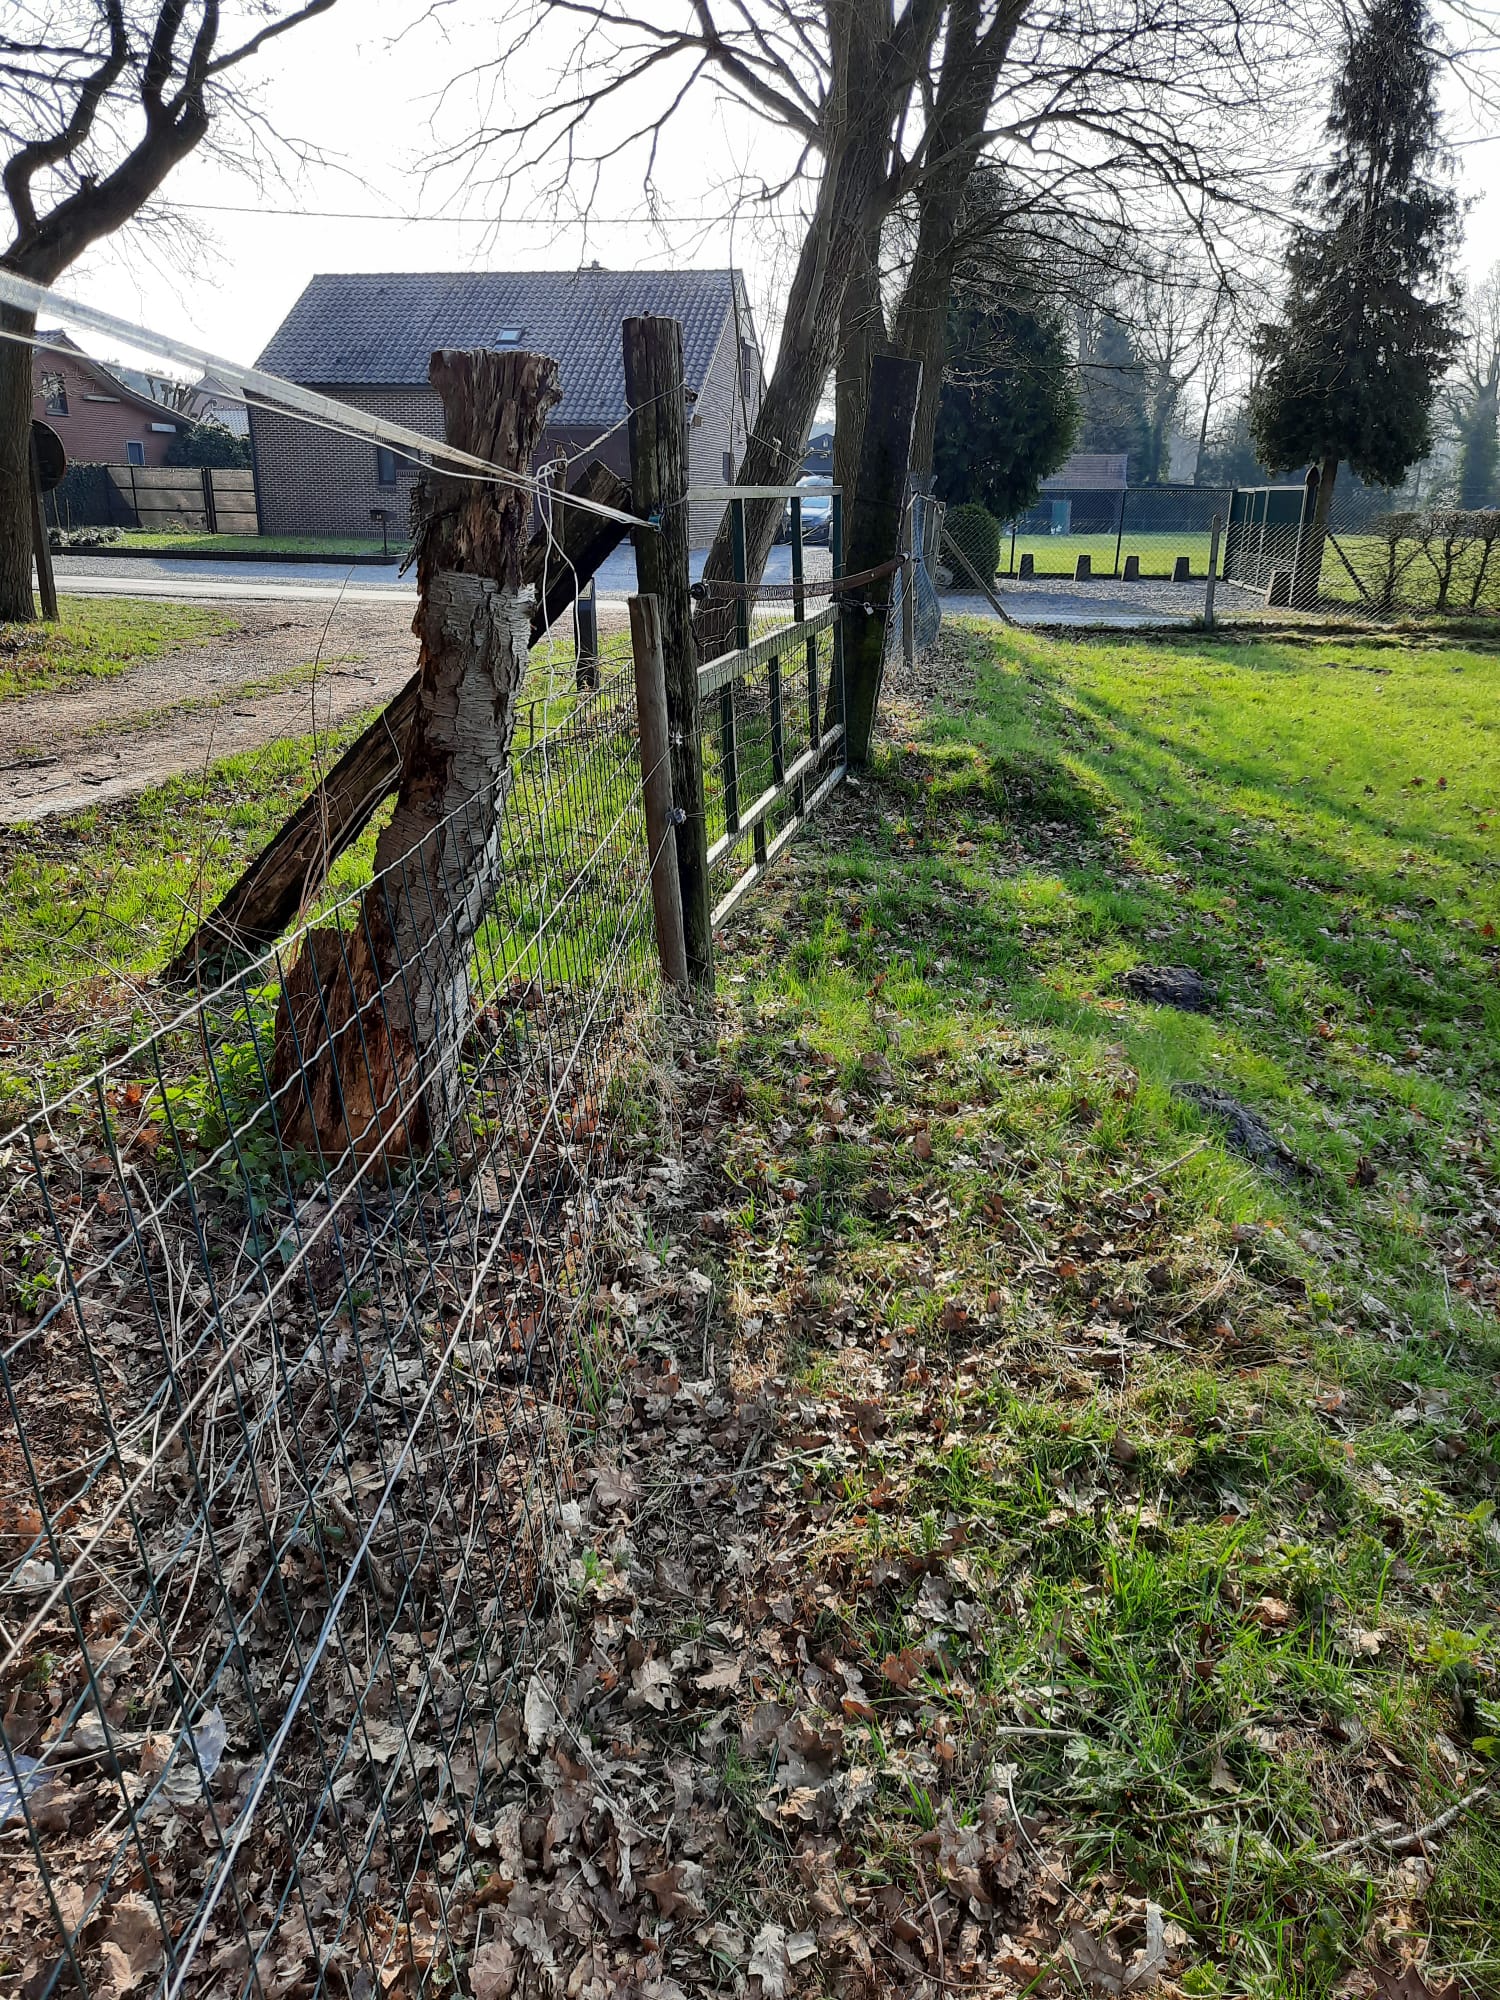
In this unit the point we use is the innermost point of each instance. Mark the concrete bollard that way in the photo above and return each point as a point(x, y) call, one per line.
point(1132, 569)
point(1085, 569)
point(1028, 565)
point(1182, 570)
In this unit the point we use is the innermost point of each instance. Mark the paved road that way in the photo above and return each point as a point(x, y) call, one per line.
point(1048, 601)
point(229, 582)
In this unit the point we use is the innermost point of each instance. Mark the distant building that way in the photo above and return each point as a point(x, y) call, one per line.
point(367, 338)
point(817, 460)
point(1084, 496)
point(102, 417)
point(214, 402)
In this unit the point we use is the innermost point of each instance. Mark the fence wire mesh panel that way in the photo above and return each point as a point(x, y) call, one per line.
point(915, 617)
point(287, 1420)
point(1383, 553)
point(1155, 533)
point(771, 706)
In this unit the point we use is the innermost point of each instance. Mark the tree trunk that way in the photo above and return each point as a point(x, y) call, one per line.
point(16, 601)
point(1312, 539)
point(862, 335)
point(851, 200)
point(874, 537)
point(292, 866)
point(372, 1022)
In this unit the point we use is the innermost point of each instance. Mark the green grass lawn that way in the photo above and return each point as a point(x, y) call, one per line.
point(155, 541)
point(96, 639)
point(1057, 556)
point(1220, 1450)
point(92, 904)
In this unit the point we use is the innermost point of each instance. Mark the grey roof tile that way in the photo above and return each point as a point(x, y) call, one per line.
point(381, 328)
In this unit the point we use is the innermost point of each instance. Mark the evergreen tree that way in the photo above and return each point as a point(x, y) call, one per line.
point(1009, 408)
point(208, 443)
point(1351, 369)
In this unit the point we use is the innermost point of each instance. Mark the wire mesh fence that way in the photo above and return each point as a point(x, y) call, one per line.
point(287, 1421)
point(1150, 533)
point(1381, 554)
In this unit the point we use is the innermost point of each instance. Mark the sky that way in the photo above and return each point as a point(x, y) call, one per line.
point(367, 81)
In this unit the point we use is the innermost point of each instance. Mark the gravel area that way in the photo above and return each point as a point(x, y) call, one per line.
point(284, 671)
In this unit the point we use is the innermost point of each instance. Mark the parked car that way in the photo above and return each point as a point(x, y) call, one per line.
point(817, 513)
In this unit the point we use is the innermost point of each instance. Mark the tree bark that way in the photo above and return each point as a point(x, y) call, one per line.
point(292, 866)
point(868, 83)
point(862, 335)
point(372, 1022)
point(874, 537)
point(1312, 540)
point(16, 601)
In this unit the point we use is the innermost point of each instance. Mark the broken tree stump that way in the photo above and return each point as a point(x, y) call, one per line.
point(373, 1020)
point(290, 869)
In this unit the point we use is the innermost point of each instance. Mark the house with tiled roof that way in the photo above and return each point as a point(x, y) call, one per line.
point(367, 338)
point(102, 416)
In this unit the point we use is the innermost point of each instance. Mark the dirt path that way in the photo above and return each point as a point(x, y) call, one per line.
point(284, 670)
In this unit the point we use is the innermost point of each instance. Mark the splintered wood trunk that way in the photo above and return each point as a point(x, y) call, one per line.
point(292, 866)
point(373, 1021)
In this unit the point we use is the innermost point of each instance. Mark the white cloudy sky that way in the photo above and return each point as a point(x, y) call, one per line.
point(372, 96)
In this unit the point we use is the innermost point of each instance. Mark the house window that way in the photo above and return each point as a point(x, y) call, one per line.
point(55, 395)
point(135, 452)
point(385, 465)
point(729, 468)
point(749, 370)
point(509, 336)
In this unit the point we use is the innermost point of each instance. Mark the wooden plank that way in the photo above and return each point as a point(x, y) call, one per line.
point(755, 815)
point(821, 489)
point(751, 876)
point(780, 639)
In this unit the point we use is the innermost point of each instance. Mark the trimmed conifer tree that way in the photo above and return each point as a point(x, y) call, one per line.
point(1350, 370)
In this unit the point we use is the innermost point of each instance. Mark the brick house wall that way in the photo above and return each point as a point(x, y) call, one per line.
point(102, 418)
point(318, 482)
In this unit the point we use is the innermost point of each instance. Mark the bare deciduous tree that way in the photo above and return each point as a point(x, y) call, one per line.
point(1094, 105)
point(99, 100)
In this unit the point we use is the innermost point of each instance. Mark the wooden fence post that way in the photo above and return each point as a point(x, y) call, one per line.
point(586, 671)
point(1215, 532)
point(657, 398)
point(656, 784)
point(874, 537)
point(909, 587)
point(289, 870)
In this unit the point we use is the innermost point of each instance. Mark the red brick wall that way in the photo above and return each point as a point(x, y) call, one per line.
point(96, 433)
point(319, 482)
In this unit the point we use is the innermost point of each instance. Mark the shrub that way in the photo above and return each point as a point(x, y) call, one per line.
point(1441, 559)
point(975, 530)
